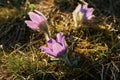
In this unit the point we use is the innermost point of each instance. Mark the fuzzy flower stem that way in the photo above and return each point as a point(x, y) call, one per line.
point(66, 59)
point(47, 36)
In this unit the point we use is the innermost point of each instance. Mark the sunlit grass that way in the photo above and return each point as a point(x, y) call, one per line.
point(95, 50)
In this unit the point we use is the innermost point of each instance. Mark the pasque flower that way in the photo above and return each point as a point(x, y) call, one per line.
point(56, 47)
point(38, 22)
point(82, 13)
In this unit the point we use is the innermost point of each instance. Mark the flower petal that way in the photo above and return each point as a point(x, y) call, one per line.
point(85, 7)
point(63, 42)
point(83, 11)
point(47, 50)
point(32, 25)
point(78, 8)
point(40, 14)
point(51, 42)
point(59, 37)
point(89, 17)
point(80, 16)
point(35, 17)
point(57, 49)
point(89, 13)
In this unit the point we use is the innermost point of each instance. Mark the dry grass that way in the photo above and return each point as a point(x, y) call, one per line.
point(93, 48)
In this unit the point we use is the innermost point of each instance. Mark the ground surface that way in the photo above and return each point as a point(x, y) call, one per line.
point(95, 44)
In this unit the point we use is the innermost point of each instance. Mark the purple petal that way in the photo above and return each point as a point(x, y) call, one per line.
point(89, 13)
point(63, 42)
point(82, 11)
point(40, 14)
point(32, 25)
point(47, 50)
point(89, 17)
point(35, 17)
point(44, 48)
point(59, 37)
point(51, 42)
point(85, 7)
point(57, 49)
point(91, 9)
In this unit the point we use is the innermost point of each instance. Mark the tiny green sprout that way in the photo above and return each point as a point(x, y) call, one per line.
point(102, 54)
point(31, 6)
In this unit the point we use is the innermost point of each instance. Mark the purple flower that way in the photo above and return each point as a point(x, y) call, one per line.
point(56, 47)
point(37, 21)
point(82, 13)
point(88, 12)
